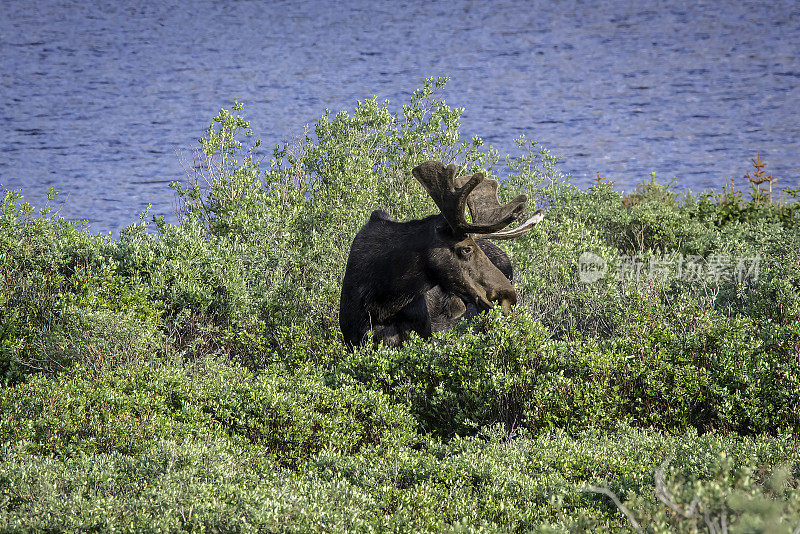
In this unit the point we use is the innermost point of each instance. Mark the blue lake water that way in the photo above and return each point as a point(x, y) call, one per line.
point(102, 99)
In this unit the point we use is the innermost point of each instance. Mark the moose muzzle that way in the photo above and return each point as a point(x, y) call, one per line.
point(504, 295)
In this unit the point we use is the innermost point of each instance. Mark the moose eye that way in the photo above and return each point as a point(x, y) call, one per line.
point(464, 251)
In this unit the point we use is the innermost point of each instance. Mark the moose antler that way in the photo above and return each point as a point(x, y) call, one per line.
point(522, 229)
point(484, 205)
point(451, 194)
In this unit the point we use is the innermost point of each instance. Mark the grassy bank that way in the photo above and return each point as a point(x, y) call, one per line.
point(192, 376)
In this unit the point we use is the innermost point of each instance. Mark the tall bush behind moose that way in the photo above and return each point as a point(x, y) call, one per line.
point(303, 209)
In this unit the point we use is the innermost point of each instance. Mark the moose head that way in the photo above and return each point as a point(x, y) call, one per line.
point(392, 265)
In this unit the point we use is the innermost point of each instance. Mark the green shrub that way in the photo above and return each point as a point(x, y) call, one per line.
point(63, 301)
point(289, 417)
point(192, 376)
point(675, 365)
point(487, 482)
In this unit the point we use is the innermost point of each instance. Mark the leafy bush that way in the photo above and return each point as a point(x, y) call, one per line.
point(288, 417)
point(192, 376)
point(63, 301)
point(487, 482)
point(674, 367)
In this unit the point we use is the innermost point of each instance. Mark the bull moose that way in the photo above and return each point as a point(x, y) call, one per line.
point(424, 275)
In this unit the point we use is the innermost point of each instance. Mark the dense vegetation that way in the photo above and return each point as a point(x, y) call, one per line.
point(192, 376)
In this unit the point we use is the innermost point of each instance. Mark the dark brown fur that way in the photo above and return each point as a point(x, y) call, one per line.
point(419, 276)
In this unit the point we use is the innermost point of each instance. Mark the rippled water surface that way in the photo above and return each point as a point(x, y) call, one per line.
point(101, 100)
